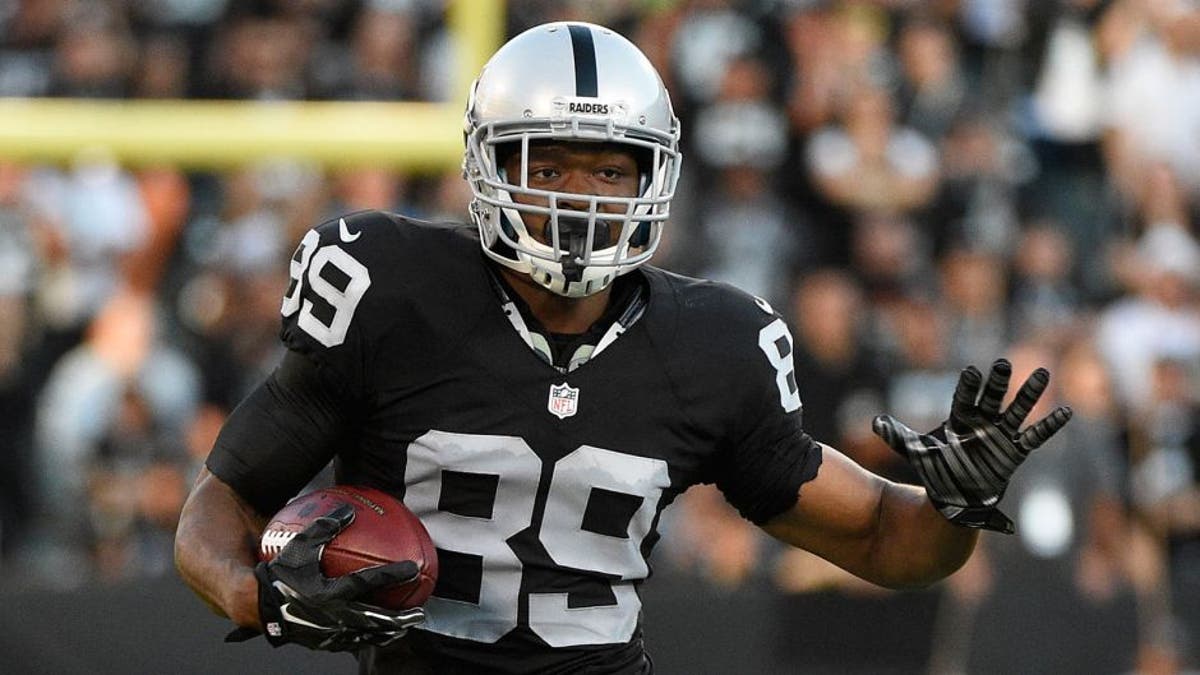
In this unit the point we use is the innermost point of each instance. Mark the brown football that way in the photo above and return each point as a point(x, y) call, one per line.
point(383, 531)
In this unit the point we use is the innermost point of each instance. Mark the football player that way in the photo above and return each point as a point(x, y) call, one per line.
point(538, 394)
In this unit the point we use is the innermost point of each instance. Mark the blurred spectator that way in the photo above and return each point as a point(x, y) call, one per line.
point(166, 196)
point(451, 195)
point(1066, 102)
point(890, 256)
point(1166, 482)
point(367, 187)
point(1153, 90)
point(1159, 318)
point(382, 63)
point(867, 163)
point(983, 170)
point(751, 235)
point(1044, 299)
point(81, 400)
point(817, 88)
point(922, 375)
point(747, 234)
point(742, 126)
point(710, 35)
point(974, 286)
point(18, 266)
point(163, 69)
point(933, 89)
point(95, 55)
point(135, 490)
point(993, 32)
point(647, 33)
point(95, 219)
point(263, 58)
point(1063, 118)
point(838, 372)
point(231, 303)
point(835, 49)
point(27, 34)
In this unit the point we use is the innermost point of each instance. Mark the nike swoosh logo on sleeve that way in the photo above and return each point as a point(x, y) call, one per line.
point(344, 232)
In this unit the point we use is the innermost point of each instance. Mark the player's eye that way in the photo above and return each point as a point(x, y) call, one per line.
point(542, 173)
point(610, 173)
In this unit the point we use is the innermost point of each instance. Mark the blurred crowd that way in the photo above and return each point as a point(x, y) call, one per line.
point(917, 185)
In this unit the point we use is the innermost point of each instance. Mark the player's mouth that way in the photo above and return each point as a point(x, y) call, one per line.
point(573, 236)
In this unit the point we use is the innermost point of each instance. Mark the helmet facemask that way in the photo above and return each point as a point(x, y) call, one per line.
point(588, 240)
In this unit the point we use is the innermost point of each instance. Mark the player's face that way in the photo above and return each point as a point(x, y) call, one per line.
point(579, 168)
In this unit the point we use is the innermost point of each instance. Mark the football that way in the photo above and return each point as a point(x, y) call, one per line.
point(383, 531)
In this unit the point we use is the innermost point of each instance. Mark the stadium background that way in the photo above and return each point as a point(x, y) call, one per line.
point(917, 185)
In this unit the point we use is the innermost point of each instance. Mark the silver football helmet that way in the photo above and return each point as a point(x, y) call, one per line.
point(574, 82)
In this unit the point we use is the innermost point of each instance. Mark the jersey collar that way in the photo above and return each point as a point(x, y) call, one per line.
point(568, 352)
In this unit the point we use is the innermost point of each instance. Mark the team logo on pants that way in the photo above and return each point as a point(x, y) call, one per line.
point(564, 400)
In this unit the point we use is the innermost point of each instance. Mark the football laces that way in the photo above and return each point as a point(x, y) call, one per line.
point(273, 541)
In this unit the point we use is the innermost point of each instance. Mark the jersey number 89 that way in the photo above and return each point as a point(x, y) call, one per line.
point(343, 301)
point(517, 471)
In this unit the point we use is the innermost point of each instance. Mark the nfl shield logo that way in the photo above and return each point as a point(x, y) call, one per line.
point(564, 400)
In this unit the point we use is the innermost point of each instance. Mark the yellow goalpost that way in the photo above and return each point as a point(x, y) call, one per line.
point(219, 134)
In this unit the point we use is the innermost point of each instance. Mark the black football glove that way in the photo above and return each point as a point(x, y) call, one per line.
point(967, 462)
point(299, 604)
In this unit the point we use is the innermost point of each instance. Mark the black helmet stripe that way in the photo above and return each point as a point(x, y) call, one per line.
point(585, 61)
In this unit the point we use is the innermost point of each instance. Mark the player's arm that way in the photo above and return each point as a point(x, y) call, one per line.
point(899, 536)
point(214, 549)
point(270, 447)
point(884, 532)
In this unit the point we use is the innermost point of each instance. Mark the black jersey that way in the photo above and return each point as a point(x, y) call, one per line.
point(541, 489)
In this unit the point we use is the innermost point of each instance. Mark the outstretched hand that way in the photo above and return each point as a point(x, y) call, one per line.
point(298, 603)
point(966, 463)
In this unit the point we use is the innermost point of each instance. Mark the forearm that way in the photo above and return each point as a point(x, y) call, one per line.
point(913, 544)
point(214, 549)
point(880, 531)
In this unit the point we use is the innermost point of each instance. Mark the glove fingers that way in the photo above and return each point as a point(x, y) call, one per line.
point(361, 618)
point(378, 619)
point(325, 528)
point(385, 639)
point(1027, 397)
point(895, 433)
point(1037, 434)
point(966, 392)
point(995, 388)
point(390, 574)
point(356, 584)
